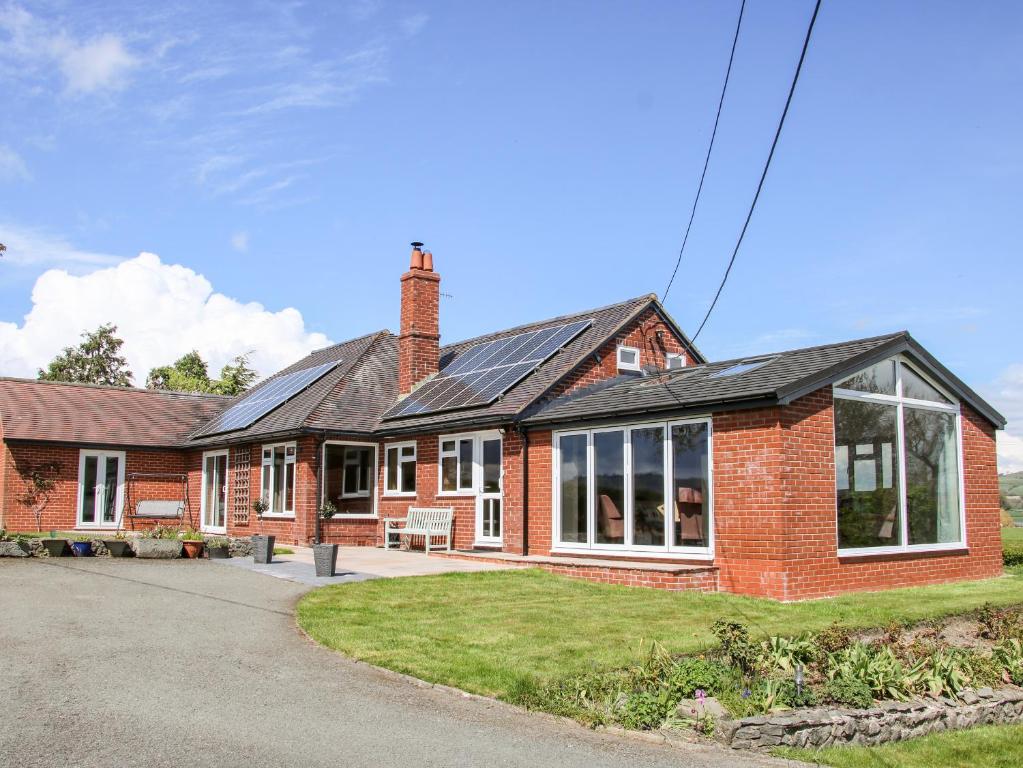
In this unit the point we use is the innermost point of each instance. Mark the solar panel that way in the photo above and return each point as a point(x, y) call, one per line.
point(273, 394)
point(484, 372)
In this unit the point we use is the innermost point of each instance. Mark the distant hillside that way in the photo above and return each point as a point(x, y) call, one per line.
point(1011, 483)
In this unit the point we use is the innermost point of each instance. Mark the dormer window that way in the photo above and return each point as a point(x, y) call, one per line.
point(628, 359)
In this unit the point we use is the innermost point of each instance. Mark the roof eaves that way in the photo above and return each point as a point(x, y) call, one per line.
point(900, 343)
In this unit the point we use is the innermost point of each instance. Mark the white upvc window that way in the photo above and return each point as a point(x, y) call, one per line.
point(277, 479)
point(643, 487)
point(349, 477)
point(455, 467)
point(898, 462)
point(674, 360)
point(400, 469)
point(628, 359)
point(100, 488)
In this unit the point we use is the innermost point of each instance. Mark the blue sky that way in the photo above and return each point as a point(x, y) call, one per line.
point(278, 157)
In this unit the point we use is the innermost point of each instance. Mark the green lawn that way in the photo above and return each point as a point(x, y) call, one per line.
point(497, 633)
point(1012, 536)
point(986, 747)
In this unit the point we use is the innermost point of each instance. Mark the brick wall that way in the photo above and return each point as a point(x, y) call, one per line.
point(641, 333)
point(775, 509)
point(419, 335)
point(61, 512)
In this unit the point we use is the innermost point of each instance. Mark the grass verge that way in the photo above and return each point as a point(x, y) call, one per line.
point(992, 746)
point(501, 633)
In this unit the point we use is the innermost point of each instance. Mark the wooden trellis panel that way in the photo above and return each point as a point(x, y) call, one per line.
point(241, 461)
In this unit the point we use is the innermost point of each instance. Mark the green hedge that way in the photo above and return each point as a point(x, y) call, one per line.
point(1012, 554)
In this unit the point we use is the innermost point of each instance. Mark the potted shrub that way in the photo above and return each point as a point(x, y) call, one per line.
point(160, 542)
point(325, 555)
point(82, 546)
point(193, 543)
point(118, 546)
point(218, 548)
point(262, 546)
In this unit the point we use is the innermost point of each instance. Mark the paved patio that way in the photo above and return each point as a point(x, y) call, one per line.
point(360, 564)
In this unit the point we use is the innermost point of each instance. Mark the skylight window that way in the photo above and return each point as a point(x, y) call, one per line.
point(744, 367)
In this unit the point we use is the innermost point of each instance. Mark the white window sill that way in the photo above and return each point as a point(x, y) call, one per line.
point(456, 494)
point(279, 516)
point(343, 516)
point(921, 549)
point(659, 554)
point(349, 496)
point(399, 495)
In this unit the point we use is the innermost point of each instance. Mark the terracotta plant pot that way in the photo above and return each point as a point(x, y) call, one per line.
point(193, 549)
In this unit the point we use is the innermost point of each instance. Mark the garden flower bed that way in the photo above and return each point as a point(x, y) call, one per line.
point(831, 687)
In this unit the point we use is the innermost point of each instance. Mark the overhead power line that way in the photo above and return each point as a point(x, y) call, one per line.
point(710, 147)
point(763, 175)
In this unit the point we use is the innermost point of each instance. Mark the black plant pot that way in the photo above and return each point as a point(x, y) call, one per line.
point(218, 553)
point(56, 547)
point(325, 558)
point(118, 548)
point(263, 548)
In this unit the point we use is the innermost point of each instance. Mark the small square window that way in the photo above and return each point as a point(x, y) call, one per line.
point(674, 360)
point(628, 359)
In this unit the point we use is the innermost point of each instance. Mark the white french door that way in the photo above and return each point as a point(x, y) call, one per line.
point(214, 492)
point(488, 490)
point(100, 488)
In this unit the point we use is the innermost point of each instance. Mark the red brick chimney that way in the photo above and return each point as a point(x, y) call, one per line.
point(419, 337)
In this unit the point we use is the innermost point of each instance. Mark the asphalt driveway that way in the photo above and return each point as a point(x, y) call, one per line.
point(125, 663)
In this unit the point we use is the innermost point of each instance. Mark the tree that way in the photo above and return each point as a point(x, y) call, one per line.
point(189, 373)
point(236, 376)
point(97, 360)
point(40, 482)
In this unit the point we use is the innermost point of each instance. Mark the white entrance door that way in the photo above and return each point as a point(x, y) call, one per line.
point(214, 492)
point(100, 488)
point(488, 491)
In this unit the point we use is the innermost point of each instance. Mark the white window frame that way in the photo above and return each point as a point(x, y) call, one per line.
point(202, 500)
point(469, 490)
point(359, 493)
point(669, 356)
point(665, 551)
point(399, 493)
point(265, 466)
point(624, 366)
point(374, 468)
point(121, 456)
point(900, 402)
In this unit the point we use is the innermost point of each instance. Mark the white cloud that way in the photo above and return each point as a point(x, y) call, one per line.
point(240, 241)
point(34, 247)
point(102, 63)
point(12, 167)
point(161, 311)
point(1007, 396)
point(34, 45)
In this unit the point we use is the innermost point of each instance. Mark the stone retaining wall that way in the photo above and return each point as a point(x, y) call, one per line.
point(889, 721)
point(238, 546)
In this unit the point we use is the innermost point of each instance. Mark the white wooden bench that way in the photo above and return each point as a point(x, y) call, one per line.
point(421, 521)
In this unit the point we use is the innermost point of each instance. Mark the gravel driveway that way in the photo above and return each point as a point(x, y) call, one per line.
point(141, 663)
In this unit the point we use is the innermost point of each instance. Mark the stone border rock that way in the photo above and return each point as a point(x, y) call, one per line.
point(238, 546)
point(888, 721)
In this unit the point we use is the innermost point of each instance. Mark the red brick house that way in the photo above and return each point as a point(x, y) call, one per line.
point(600, 444)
